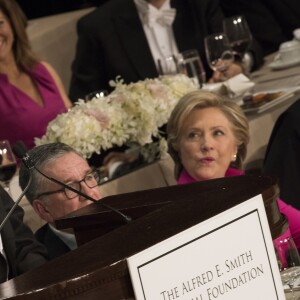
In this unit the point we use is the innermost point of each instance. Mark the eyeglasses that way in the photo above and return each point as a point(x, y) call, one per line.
point(92, 179)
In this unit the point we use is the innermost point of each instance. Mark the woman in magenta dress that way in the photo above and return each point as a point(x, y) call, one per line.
point(31, 93)
point(207, 139)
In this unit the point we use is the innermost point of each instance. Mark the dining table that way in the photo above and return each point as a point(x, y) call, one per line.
point(262, 122)
point(288, 294)
point(49, 33)
point(46, 32)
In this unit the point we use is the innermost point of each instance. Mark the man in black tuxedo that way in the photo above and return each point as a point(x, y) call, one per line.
point(283, 155)
point(112, 41)
point(19, 246)
point(271, 21)
point(51, 201)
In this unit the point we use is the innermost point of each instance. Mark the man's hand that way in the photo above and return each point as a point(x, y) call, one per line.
point(232, 71)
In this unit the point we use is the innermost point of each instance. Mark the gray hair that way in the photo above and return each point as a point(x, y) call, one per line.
point(40, 157)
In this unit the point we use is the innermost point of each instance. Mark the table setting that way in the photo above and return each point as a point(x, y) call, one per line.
point(278, 81)
point(187, 66)
point(265, 79)
point(267, 87)
point(265, 93)
point(288, 54)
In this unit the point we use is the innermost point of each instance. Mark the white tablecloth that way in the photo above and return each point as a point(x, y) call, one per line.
point(261, 125)
point(288, 294)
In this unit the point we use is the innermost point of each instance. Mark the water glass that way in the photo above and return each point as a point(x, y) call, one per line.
point(190, 64)
point(96, 94)
point(8, 163)
point(168, 65)
point(288, 262)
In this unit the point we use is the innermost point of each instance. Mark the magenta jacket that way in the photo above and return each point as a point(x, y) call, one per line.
point(292, 214)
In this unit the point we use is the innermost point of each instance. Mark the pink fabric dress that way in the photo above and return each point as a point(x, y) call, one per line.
point(20, 117)
point(292, 214)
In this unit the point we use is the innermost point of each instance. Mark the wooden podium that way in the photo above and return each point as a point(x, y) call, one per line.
point(97, 269)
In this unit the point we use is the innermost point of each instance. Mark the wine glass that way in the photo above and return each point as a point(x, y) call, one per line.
point(219, 55)
point(288, 262)
point(8, 163)
point(239, 35)
point(190, 64)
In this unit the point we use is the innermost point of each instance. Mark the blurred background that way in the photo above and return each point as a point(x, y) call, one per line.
point(37, 8)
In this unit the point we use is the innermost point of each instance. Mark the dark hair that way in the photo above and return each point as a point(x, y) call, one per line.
point(24, 56)
point(40, 157)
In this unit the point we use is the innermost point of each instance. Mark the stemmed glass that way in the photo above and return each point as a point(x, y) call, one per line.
point(288, 262)
point(219, 55)
point(239, 35)
point(8, 163)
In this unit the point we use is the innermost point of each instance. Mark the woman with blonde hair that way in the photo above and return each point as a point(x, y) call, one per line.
point(207, 139)
point(200, 100)
point(31, 93)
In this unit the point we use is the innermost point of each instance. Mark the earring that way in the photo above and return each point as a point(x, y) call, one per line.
point(234, 157)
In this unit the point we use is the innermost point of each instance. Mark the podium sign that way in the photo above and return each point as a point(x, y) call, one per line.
point(229, 256)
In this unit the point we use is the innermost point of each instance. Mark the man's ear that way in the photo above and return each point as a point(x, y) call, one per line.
point(41, 209)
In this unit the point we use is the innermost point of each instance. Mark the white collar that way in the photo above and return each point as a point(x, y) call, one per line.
point(150, 15)
point(143, 6)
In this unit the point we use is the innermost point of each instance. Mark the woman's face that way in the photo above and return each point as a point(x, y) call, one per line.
point(6, 37)
point(207, 144)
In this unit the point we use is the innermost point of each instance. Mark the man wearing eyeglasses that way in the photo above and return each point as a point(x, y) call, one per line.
point(50, 200)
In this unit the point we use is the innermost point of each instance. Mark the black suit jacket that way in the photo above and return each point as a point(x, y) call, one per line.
point(55, 246)
point(22, 250)
point(283, 155)
point(271, 21)
point(111, 42)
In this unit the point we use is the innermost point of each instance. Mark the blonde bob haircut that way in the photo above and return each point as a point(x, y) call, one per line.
point(25, 58)
point(200, 100)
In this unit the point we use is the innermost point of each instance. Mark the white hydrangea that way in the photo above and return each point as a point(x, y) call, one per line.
point(131, 114)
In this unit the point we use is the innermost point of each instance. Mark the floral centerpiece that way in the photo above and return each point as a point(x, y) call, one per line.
point(132, 114)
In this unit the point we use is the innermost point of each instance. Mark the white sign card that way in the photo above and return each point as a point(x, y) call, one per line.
point(229, 256)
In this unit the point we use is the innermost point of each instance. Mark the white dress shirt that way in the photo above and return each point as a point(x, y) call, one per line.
point(160, 35)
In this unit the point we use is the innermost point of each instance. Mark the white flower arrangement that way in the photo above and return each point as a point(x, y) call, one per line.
point(131, 114)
